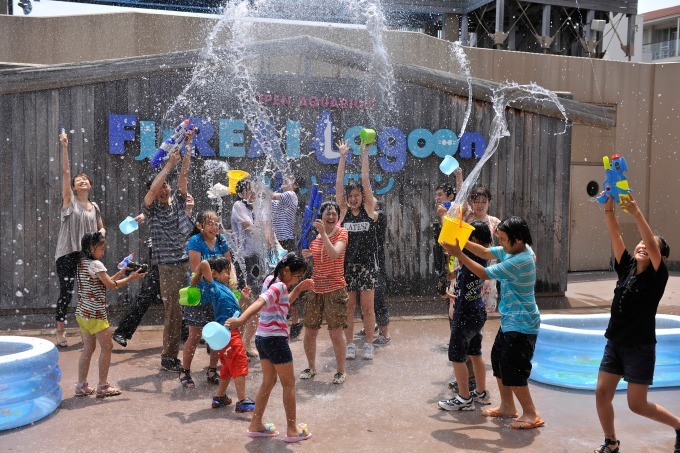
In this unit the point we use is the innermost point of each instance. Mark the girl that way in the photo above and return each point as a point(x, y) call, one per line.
point(203, 244)
point(272, 344)
point(329, 295)
point(79, 215)
point(91, 315)
point(358, 216)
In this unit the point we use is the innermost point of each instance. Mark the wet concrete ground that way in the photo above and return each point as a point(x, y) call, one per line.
point(388, 404)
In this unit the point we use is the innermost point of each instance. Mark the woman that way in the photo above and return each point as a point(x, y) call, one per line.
point(358, 216)
point(327, 253)
point(79, 216)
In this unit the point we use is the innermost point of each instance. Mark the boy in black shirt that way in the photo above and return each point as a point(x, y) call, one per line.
point(631, 340)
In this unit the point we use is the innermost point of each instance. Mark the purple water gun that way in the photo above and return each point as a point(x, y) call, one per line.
point(175, 141)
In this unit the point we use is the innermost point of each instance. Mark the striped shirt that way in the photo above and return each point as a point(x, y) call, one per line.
point(91, 290)
point(517, 273)
point(169, 226)
point(328, 274)
point(284, 215)
point(273, 314)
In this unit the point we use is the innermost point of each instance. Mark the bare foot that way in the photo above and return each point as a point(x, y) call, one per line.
point(499, 412)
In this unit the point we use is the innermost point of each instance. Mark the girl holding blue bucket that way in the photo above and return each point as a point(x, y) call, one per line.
point(204, 243)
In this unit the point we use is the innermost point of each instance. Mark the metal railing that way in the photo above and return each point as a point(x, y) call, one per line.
point(660, 50)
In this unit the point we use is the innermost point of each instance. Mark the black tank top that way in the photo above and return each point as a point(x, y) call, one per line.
point(361, 247)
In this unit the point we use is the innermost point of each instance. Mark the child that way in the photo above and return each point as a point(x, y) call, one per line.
point(271, 341)
point(467, 322)
point(444, 193)
point(515, 342)
point(631, 340)
point(212, 278)
point(91, 314)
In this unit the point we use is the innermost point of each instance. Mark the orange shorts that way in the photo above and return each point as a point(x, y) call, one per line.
point(233, 358)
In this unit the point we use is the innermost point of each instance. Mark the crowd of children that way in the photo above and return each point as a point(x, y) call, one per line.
point(343, 260)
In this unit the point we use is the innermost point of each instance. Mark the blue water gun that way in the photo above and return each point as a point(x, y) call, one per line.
point(615, 184)
point(309, 216)
point(175, 141)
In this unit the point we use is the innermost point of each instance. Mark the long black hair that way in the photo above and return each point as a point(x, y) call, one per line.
point(90, 240)
point(294, 261)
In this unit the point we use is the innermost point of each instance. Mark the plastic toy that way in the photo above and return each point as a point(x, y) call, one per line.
point(189, 296)
point(175, 141)
point(126, 261)
point(128, 225)
point(311, 211)
point(216, 335)
point(367, 136)
point(448, 165)
point(615, 183)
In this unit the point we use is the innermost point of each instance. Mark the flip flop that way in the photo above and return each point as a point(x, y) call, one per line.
point(268, 431)
point(302, 435)
point(495, 413)
point(525, 424)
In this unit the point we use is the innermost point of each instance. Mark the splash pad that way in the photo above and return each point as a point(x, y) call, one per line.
point(29, 380)
point(570, 347)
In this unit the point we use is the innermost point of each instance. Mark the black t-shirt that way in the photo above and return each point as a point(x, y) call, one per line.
point(636, 299)
point(469, 287)
point(361, 245)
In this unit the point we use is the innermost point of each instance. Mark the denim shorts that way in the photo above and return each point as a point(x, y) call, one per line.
point(511, 357)
point(274, 349)
point(634, 362)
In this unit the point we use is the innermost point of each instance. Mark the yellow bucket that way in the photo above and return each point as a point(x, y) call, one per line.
point(454, 228)
point(234, 177)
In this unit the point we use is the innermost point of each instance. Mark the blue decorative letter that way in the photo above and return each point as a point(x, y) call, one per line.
point(231, 138)
point(392, 143)
point(446, 143)
point(472, 144)
point(416, 149)
point(120, 132)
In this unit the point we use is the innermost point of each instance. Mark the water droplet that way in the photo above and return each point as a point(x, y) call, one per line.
point(72, 131)
point(19, 262)
point(19, 294)
point(20, 227)
point(82, 129)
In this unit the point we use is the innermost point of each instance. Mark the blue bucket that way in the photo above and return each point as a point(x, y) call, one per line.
point(449, 165)
point(216, 335)
point(129, 225)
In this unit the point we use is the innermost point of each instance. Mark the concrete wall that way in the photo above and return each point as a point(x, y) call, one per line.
point(645, 95)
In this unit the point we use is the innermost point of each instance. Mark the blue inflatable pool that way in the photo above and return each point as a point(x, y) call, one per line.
point(29, 380)
point(569, 349)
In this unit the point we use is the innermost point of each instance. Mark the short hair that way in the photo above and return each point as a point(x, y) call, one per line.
point(446, 188)
point(328, 204)
point(517, 230)
point(478, 191)
point(219, 263)
point(242, 186)
point(482, 232)
point(78, 175)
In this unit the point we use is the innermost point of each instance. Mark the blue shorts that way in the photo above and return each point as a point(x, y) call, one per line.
point(511, 357)
point(466, 334)
point(635, 363)
point(274, 349)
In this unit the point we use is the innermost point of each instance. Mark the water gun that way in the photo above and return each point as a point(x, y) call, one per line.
point(175, 141)
point(126, 261)
point(309, 216)
point(615, 183)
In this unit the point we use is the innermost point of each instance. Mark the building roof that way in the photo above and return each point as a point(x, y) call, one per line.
point(661, 13)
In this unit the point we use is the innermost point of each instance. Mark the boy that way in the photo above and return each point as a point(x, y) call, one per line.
point(631, 340)
point(442, 194)
point(515, 342)
point(212, 278)
point(467, 322)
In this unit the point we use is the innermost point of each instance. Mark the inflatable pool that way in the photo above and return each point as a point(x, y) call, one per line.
point(569, 349)
point(29, 380)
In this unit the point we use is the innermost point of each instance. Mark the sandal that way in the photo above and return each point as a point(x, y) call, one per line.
point(609, 446)
point(106, 390)
point(213, 378)
point(220, 401)
point(307, 373)
point(83, 389)
point(61, 340)
point(185, 379)
point(303, 434)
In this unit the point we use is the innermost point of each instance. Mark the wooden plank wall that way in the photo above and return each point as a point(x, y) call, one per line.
point(528, 176)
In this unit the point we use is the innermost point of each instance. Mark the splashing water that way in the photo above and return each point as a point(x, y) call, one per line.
point(503, 96)
point(458, 54)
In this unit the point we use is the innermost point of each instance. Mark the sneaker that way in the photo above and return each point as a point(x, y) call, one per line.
point(307, 373)
point(118, 338)
point(362, 332)
point(481, 398)
point(382, 340)
point(368, 352)
point(220, 401)
point(351, 353)
point(245, 405)
point(457, 403)
point(339, 378)
point(295, 330)
point(453, 385)
point(171, 364)
point(608, 446)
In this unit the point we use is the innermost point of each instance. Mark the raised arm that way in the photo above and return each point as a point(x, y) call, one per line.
point(343, 149)
point(161, 177)
point(183, 180)
point(369, 199)
point(614, 229)
point(645, 230)
point(202, 270)
point(66, 191)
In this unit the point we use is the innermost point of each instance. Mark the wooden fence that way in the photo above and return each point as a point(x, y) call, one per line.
point(528, 176)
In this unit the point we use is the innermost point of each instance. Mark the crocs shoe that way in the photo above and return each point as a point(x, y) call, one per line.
point(245, 405)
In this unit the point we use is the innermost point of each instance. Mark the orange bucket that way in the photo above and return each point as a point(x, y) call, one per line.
point(454, 228)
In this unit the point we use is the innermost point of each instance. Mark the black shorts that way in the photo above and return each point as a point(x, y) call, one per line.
point(274, 349)
point(466, 334)
point(635, 363)
point(511, 357)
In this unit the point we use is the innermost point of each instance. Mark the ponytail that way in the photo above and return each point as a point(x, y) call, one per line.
point(294, 261)
point(90, 240)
